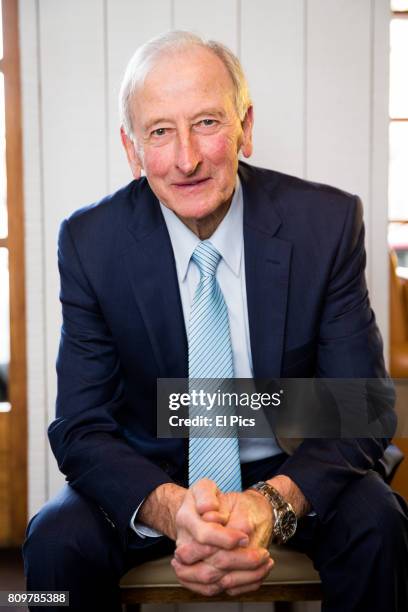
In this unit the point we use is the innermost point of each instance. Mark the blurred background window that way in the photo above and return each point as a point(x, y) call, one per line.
point(398, 134)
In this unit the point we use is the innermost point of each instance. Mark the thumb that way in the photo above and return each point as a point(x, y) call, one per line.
point(206, 495)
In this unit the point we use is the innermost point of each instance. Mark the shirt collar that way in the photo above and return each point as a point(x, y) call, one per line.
point(227, 239)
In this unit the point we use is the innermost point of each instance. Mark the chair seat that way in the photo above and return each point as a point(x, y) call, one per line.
point(291, 567)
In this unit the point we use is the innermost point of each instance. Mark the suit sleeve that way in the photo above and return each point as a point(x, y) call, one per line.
point(85, 437)
point(349, 346)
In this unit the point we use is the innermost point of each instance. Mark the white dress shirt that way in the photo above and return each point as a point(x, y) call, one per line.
point(228, 239)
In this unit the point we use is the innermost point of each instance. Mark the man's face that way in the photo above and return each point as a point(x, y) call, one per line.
point(188, 133)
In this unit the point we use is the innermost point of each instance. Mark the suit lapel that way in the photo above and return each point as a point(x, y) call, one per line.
point(152, 272)
point(267, 268)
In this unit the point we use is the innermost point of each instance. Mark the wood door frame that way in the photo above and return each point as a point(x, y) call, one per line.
point(17, 465)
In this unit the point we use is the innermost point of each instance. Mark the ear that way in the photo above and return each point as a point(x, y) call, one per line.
point(247, 125)
point(131, 154)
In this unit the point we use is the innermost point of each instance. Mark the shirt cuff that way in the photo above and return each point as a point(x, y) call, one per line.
point(143, 531)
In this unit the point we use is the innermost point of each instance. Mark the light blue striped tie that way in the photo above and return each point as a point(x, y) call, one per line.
point(210, 356)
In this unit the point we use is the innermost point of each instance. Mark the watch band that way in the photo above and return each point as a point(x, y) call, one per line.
point(270, 493)
point(285, 522)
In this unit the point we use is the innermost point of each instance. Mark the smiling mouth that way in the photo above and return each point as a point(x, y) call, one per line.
point(191, 184)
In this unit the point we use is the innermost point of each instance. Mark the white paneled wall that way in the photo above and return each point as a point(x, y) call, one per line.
point(272, 54)
point(211, 18)
point(35, 261)
point(338, 77)
point(74, 152)
point(318, 73)
point(378, 171)
point(127, 26)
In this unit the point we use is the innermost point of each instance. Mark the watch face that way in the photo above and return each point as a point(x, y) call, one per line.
point(288, 525)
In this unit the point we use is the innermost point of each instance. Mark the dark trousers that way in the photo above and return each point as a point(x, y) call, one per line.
point(361, 551)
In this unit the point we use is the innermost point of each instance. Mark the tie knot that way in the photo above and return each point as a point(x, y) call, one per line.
point(206, 257)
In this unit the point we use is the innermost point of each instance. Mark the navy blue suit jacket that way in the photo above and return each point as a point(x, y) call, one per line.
point(123, 327)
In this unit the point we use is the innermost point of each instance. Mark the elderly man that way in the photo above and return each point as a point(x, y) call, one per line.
point(210, 268)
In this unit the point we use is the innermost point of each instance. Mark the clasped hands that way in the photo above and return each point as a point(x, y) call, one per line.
point(222, 540)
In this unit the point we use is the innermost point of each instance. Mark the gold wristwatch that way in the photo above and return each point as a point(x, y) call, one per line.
point(285, 521)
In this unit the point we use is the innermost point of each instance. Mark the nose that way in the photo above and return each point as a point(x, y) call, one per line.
point(188, 155)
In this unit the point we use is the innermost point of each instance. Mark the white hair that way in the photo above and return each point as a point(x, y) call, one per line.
point(146, 55)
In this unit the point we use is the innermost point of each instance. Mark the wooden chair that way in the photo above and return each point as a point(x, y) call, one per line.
point(398, 322)
point(293, 578)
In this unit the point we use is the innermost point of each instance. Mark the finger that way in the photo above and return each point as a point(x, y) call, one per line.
point(245, 577)
point(212, 534)
point(240, 521)
point(245, 589)
point(216, 516)
point(200, 573)
point(205, 493)
point(239, 559)
point(191, 552)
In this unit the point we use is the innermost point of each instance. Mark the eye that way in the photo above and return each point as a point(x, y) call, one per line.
point(159, 132)
point(208, 122)
point(206, 126)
